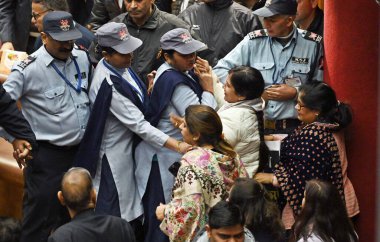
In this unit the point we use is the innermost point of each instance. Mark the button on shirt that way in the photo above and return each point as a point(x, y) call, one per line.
point(56, 112)
point(299, 58)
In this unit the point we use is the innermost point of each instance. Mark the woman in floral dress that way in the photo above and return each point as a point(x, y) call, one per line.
point(205, 175)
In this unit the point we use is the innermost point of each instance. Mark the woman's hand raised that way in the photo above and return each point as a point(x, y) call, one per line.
point(204, 72)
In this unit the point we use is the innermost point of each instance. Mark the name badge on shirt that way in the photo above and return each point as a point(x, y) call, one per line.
point(299, 60)
point(292, 81)
point(82, 75)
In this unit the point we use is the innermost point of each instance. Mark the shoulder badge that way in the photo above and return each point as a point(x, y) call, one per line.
point(26, 62)
point(311, 36)
point(257, 34)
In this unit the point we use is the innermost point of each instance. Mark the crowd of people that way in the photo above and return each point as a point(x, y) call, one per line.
point(146, 121)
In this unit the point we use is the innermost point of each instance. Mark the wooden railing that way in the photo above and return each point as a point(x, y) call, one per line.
point(11, 183)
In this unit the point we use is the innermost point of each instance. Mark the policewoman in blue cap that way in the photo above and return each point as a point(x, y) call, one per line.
point(119, 99)
point(52, 86)
point(181, 81)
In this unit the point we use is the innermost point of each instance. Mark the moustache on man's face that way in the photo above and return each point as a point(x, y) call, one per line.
point(63, 49)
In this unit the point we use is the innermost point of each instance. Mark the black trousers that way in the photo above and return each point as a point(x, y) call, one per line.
point(42, 177)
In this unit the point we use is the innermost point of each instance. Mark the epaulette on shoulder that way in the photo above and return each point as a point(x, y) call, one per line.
point(311, 36)
point(257, 34)
point(23, 64)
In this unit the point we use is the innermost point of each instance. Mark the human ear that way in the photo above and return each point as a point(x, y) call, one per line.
point(208, 230)
point(105, 55)
point(93, 197)
point(196, 137)
point(167, 58)
point(61, 198)
point(44, 37)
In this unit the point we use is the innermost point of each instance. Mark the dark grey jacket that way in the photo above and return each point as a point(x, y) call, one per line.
point(12, 120)
point(144, 57)
point(15, 16)
point(221, 26)
point(103, 11)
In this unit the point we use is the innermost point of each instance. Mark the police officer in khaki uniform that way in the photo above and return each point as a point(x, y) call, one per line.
point(52, 86)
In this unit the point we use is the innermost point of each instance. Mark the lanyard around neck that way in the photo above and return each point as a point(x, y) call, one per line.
point(79, 85)
point(274, 76)
point(139, 93)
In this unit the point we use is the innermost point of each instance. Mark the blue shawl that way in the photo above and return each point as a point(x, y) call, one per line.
point(163, 92)
point(88, 153)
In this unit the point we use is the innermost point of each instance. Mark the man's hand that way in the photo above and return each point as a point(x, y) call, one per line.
point(7, 46)
point(281, 92)
point(21, 153)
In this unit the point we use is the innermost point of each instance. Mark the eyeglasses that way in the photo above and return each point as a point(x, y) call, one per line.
point(37, 15)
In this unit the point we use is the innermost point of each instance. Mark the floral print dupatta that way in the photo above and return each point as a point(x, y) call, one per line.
point(204, 178)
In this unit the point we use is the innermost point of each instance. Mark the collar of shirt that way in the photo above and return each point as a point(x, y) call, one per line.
point(121, 71)
point(48, 59)
point(124, 73)
point(294, 36)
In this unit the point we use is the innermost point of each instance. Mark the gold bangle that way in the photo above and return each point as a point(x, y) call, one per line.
point(178, 146)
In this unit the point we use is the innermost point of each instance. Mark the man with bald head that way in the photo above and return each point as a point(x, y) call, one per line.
point(79, 197)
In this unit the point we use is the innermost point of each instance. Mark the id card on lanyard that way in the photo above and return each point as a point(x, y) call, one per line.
point(280, 73)
point(78, 88)
point(293, 81)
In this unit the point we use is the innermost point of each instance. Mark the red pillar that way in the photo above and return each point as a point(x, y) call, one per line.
point(352, 69)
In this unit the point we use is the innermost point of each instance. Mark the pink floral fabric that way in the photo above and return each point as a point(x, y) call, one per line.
point(204, 178)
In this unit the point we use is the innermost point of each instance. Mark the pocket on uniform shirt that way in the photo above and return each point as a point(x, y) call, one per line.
point(54, 99)
point(266, 69)
point(300, 70)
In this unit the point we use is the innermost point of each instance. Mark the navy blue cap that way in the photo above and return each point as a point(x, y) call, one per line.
point(116, 36)
point(180, 40)
point(274, 7)
point(60, 26)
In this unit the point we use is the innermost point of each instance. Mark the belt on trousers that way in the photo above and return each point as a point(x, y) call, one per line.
point(281, 123)
point(48, 145)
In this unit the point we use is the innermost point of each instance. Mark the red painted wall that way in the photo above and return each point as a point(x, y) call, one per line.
point(351, 68)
